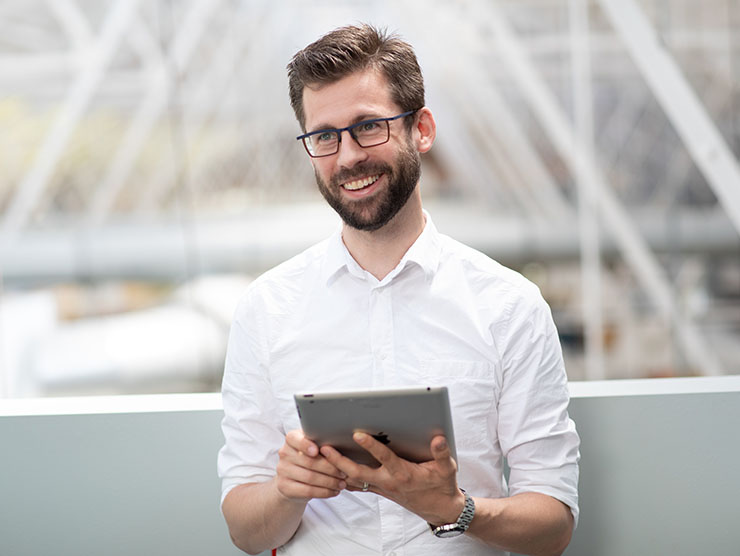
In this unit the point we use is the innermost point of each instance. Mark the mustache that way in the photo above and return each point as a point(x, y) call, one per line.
point(360, 171)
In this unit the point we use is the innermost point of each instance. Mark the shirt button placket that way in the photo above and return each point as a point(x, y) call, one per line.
point(381, 335)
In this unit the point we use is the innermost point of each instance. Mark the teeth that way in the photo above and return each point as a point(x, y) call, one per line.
point(359, 184)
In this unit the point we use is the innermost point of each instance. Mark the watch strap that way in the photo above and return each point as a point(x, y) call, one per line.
point(462, 523)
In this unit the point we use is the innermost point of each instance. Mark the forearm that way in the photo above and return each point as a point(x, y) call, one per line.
point(528, 523)
point(259, 517)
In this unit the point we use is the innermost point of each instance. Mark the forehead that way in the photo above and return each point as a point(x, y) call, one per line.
point(359, 95)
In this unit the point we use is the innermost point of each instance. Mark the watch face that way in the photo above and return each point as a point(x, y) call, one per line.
point(454, 531)
point(462, 524)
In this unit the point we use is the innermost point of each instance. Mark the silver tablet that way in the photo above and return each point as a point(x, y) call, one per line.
point(404, 419)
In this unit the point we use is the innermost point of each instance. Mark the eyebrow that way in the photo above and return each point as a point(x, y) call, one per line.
point(356, 120)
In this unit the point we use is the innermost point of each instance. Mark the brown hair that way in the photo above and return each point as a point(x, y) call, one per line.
point(356, 48)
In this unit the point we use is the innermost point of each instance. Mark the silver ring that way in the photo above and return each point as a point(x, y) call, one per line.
point(365, 486)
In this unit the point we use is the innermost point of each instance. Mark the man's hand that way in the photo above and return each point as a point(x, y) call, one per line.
point(303, 473)
point(427, 489)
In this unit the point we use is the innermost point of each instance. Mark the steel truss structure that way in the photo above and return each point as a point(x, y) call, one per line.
point(150, 139)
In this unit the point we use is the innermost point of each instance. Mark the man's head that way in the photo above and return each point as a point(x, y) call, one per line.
point(352, 86)
point(352, 49)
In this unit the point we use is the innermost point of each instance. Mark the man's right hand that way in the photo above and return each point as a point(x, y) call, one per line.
point(303, 473)
point(262, 515)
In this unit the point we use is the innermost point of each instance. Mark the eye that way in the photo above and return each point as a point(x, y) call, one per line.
point(365, 127)
point(324, 137)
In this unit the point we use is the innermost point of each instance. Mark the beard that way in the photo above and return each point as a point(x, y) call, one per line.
point(376, 211)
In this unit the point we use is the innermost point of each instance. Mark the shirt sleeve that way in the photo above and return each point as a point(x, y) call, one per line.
point(536, 434)
point(252, 431)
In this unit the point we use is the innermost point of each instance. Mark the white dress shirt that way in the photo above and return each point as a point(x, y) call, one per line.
point(446, 315)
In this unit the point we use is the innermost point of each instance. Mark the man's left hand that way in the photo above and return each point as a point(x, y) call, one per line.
point(427, 489)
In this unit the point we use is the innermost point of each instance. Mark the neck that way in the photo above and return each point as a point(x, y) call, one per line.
point(381, 250)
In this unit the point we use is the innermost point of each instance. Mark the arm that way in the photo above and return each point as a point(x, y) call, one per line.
point(261, 516)
point(270, 476)
point(528, 523)
point(246, 509)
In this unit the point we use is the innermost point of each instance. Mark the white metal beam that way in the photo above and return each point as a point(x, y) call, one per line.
point(633, 246)
point(153, 247)
point(73, 22)
point(679, 164)
point(35, 68)
point(587, 202)
point(685, 110)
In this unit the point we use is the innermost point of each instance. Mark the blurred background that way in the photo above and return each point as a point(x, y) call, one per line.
point(149, 171)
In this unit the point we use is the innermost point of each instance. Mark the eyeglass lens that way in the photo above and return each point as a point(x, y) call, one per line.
point(367, 134)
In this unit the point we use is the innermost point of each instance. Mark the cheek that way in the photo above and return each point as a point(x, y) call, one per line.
point(323, 168)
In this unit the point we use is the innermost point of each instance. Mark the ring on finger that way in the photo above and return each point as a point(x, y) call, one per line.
point(365, 486)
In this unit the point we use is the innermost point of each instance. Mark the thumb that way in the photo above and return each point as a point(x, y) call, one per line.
point(441, 450)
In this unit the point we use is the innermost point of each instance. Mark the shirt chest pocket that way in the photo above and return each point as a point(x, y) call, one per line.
point(473, 388)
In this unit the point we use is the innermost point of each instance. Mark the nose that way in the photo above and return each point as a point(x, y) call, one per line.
point(350, 153)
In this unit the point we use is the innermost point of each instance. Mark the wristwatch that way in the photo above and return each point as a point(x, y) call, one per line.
point(461, 525)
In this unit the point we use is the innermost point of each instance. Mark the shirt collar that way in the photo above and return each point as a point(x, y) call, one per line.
point(425, 252)
point(337, 256)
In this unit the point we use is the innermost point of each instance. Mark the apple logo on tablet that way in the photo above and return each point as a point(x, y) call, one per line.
point(382, 438)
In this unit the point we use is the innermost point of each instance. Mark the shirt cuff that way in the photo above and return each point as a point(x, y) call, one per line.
point(560, 483)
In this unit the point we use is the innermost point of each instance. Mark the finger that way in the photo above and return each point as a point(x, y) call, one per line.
point(313, 478)
point(291, 456)
point(380, 452)
point(442, 454)
point(321, 465)
point(357, 472)
point(309, 474)
point(361, 488)
point(296, 490)
point(298, 440)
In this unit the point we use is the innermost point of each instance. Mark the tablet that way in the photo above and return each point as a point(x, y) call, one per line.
point(404, 419)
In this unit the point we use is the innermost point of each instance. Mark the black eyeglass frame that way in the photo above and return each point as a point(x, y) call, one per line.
point(350, 130)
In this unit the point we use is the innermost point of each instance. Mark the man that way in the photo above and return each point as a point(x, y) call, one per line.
point(388, 301)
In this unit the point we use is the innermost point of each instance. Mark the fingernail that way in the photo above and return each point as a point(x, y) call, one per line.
point(313, 451)
point(342, 485)
point(360, 436)
point(443, 445)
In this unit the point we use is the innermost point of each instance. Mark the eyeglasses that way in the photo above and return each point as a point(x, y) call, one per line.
point(368, 133)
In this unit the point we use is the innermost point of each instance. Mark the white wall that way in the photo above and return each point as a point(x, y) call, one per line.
point(136, 475)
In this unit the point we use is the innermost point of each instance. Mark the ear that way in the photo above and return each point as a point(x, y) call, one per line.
point(425, 130)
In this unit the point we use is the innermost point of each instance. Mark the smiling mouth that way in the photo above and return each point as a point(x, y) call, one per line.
point(361, 183)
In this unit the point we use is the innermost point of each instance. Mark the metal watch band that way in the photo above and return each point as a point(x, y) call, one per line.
point(462, 523)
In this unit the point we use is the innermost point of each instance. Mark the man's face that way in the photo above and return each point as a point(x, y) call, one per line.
point(367, 187)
